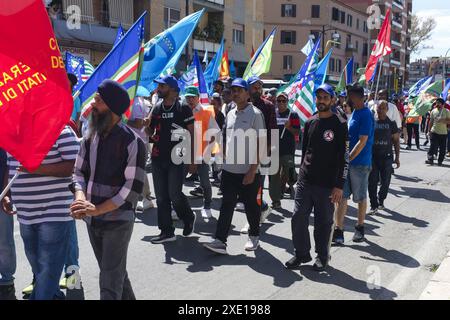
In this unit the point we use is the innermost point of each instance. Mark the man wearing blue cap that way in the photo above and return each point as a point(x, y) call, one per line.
point(255, 88)
point(108, 178)
point(240, 171)
point(169, 116)
point(323, 172)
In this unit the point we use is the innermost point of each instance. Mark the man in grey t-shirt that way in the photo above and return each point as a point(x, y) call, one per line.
point(244, 132)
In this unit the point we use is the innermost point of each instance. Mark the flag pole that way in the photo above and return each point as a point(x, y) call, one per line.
point(379, 76)
point(5, 191)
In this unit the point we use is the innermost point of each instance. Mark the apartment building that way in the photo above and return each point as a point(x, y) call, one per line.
point(239, 21)
point(432, 66)
point(342, 27)
point(396, 67)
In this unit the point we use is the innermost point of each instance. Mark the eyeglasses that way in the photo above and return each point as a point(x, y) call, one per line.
point(282, 101)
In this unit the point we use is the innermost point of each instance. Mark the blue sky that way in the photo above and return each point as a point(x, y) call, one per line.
point(440, 10)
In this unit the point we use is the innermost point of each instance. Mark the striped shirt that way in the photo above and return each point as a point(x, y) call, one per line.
point(112, 168)
point(40, 198)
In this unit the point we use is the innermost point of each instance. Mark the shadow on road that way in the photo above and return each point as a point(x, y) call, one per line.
point(198, 259)
point(392, 215)
point(385, 255)
point(420, 193)
point(407, 179)
point(346, 281)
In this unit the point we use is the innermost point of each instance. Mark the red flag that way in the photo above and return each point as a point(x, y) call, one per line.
point(35, 98)
point(382, 46)
point(225, 66)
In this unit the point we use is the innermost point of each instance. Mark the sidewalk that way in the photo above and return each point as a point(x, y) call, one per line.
point(439, 286)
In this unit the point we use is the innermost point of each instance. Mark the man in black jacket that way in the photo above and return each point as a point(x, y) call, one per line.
point(322, 176)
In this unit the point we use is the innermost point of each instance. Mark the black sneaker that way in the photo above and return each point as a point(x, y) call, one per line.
point(276, 205)
point(163, 238)
point(219, 192)
point(440, 164)
point(189, 227)
point(408, 148)
point(197, 192)
point(8, 292)
point(295, 262)
point(430, 162)
point(338, 236)
point(359, 234)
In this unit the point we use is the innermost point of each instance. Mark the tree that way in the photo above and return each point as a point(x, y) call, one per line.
point(421, 31)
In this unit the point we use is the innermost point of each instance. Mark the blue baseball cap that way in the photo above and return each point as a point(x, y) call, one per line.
point(327, 88)
point(171, 81)
point(253, 80)
point(239, 82)
point(343, 94)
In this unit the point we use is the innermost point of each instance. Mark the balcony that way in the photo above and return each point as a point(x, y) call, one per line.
point(397, 24)
point(211, 4)
point(395, 43)
point(203, 45)
point(350, 48)
point(398, 3)
point(395, 62)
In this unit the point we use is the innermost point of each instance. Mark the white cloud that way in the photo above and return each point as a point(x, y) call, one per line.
point(440, 39)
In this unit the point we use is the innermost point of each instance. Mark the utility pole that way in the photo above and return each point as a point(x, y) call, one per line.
point(186, 53)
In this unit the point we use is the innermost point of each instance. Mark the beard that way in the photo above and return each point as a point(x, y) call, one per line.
point(323, 107)
point(162, 95)
point(99, 122)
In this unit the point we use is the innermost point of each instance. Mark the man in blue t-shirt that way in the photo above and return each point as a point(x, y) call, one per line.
point(360, 132)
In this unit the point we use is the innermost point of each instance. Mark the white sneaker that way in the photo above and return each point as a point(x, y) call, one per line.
point(147, 203)
point(244, 230)
point(252, 243)
point(373, 211)
point(174, 215)
point(216, 246)
point(265, 214)
point(206, 213)
point(240, 206)
point(139, 207)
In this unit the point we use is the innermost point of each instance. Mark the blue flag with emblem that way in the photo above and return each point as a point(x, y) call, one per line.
point(121, 65)
point(119, 36)
point(161, 54)
point(75, 65)
point(212, 71)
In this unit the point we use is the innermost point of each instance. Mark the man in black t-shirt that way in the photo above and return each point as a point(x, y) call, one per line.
point(288, 127)
point(168, 119)
point(322, 176)
point(386, 134)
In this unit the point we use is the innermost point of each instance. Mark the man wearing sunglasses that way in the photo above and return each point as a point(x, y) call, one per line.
point(289, 126)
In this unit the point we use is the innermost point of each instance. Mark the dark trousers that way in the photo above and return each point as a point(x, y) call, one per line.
point(448, 141)
point(438, 141)
point(232, 187)
point(381, 170)
point(410, 127)
point(110, 240)
point(168, 181)
point(307, 198)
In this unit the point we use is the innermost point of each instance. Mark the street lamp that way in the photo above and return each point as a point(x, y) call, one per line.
point(335, 36)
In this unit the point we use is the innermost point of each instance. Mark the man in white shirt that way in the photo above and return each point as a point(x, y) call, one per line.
point(392, 113)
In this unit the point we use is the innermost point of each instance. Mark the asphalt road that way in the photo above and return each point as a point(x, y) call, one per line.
point(403, 243)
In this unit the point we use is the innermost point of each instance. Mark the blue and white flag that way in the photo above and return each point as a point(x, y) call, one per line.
point(212, 71)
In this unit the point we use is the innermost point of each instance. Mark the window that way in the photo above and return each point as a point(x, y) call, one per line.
point(357, 24)
point(349, 20)
point(356, 45)
point(335, 14)
point(315, 11)
point(289, 10)
point(365, 29)
point(171, 16)
point(338, 65)
point(287, 62)
point(288, 37)
point(365, 49)
point(342, 16)
point(238, 36)
point(356, 68)
point(332, 64)
point(348, 41)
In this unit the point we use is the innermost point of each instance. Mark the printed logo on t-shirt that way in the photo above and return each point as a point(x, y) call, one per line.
point(167, 115)
point(328, 135)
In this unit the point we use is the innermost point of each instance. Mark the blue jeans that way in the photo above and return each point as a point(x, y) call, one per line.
point(72, 248)
point(46, 250)
point(357, 183)
point(7, 249)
